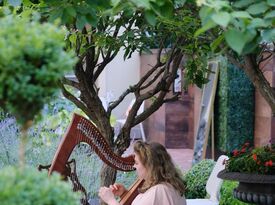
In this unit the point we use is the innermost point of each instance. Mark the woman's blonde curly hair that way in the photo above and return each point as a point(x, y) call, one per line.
point(159, 165)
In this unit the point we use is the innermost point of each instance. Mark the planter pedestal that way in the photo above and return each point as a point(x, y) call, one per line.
point(252, 188)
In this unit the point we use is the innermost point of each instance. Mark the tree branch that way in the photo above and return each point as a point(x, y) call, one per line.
point(172, 99)
point(73, 99)
point(69, 82)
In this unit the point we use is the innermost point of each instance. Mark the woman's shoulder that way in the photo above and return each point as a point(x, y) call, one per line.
point(165, 192)
point(163, 186)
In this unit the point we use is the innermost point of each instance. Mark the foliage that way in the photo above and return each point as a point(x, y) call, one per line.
point(227, 196)
point(44, 138)
point(152, 9)
point(234, 108)
point(98, 34)
point(196, 179)
point(30, 64)
point(260, 160)
point(83, 12)
point(196, 49)
point(244, 24)
point(246, 36)
point(29, 186)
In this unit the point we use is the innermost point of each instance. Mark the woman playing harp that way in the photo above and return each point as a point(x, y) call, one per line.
point(162, 182)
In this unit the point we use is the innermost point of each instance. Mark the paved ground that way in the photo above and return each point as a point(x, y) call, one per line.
point(182, 158)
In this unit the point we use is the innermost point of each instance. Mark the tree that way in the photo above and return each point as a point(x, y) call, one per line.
point(246, 36)
point(29, 74)
point(94, 32)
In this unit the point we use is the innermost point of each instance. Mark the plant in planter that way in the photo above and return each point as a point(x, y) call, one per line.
point(255, 171)
point(32, 60)
point(260, 160)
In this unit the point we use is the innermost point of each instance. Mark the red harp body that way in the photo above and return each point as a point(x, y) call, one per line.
point(82, 130)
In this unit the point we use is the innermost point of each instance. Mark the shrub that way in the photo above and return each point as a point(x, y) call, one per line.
point(28, 186)
point(196, 179)
point(32, 61)
point(227, 194)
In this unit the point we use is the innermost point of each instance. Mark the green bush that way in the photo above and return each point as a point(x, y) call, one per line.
point(196, 179)
point(32, 61)
point(28, 186)
point(227, 194)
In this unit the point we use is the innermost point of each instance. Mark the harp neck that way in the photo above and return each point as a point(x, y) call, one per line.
point(82, 130)
point(130, 195)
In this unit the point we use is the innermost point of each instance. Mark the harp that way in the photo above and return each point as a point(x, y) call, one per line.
point(82, 130)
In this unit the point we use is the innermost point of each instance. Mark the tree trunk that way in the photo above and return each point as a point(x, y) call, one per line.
point(23, 142)
point(254, 73)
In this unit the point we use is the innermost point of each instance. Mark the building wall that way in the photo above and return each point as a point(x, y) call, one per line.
point(117, 77)
point(173, 124)
point(264, 122)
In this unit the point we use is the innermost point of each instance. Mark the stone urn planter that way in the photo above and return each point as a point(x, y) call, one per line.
point(252, 188)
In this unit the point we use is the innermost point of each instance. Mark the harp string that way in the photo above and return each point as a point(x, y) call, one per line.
point(82, 131)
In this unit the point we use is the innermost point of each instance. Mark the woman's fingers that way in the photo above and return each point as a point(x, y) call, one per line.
point(113, 187)
point(105, 194)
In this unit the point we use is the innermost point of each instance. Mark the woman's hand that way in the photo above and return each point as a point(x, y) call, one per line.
point(107, 196)
point(118, 189)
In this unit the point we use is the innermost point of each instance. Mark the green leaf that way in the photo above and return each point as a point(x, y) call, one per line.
point(66, 17)
point(257, 8)
point(243, 3)
point(269, 35)
point(15, 2)
point(92, 20)
point(251, 46)
point(214, 45)
point(115, 2)
point(159, 2)
point(71, 11)
point(207, 26)
point(271, 2)
point(270, 14)
point(221, 18)
point(257, 23)
point(80, 22)
point(167, 10)
point(220, 4)
point(237, 39)
point(26, 2)
point(150, 17)
point(142, 3)
point(241, 14)
point(205, 14)
point(55, 14)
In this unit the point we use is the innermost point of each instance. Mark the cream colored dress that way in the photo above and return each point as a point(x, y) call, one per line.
point(160, 194)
